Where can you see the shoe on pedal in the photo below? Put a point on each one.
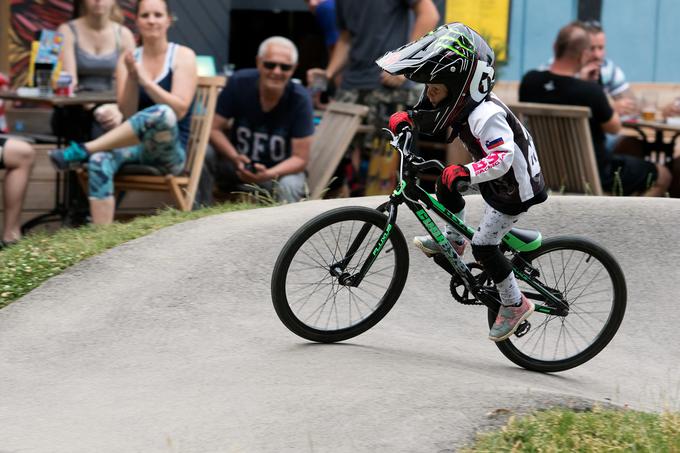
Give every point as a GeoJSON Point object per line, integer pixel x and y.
{"type": "Point", "coordinates": [72, 155]}
{"type": "Point", "coordinates": [509, 319]}
{"type": "Point", "coordinates": [430, 248]}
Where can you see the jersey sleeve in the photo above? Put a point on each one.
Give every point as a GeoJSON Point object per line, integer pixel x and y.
{"type": "Point", "coordinates": [497, 140]}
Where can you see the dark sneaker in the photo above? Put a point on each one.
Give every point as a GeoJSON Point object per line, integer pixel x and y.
{"type": "Point", "coordinates": [509, 318]}
{"type": "Point", "coordinates": [431, 248]}
{"type": "Point", "coordinates": [68, 157]}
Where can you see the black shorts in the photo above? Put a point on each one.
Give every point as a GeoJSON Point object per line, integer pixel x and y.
{"type": "Point", "coordinates": [2, 152]}
{"type": "Point", "coordinates": [627, 175]}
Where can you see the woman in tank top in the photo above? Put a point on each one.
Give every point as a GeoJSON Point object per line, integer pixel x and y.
{"type": "Point", "coordinates": [155, 89]}
{"type": "Point", "coordinates": [93, 43]}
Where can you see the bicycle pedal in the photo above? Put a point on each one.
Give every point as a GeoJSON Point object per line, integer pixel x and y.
{"type": "Point", "coordinates": [523, 329]}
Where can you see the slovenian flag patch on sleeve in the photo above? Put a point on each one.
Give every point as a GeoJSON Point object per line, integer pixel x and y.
{"type": "Point", "coordinates": [491, 144]}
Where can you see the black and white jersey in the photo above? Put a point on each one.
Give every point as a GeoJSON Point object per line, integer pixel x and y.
{"type": "Point", "coordinates": [506, 166]}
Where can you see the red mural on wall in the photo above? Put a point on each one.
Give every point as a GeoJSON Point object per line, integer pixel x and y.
{"type": "Point", "coordinates": [28, 17]}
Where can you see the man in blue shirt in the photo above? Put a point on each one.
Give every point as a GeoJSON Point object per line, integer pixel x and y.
{"type": "Point", "coordinates": [263, 125]}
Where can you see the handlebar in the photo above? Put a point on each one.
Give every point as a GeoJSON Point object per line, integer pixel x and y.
{"type": "Point", "coordinates": [403, 142]}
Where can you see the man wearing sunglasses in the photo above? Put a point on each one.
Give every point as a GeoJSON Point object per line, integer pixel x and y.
{"type": "Point", "coordinates": [263, 126]}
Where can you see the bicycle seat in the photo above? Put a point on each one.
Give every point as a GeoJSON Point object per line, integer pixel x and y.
{"type": "Point", "coordinates": [528, 239]}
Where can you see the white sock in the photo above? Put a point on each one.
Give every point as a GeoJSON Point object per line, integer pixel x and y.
{"type": "Point", "coordinates": [509, 291]}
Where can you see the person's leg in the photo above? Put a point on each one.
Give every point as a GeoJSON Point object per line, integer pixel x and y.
{"type": "Point", "coordinates": [290, 188]}
{"type": "Point", "coordinates": [660, 186]}
{"type": "Point", "coordinates": [17, 157]}
{"type": "Point", "coordinates": [156, 128]}
{"type": "Point", "coordinates": [632, 175]}
{"type": "Point", "coordinates": [102, 168]}
{"type": "Point", "coordinates": [515, 308]}
{"type": "Point", "coordinates": [454, 202]}
{"type": "Point", "coordinates": [144, 126]}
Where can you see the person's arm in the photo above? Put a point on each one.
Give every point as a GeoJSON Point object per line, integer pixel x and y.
{"type": "Point", "coordinates": [613, 126]}
{"type": "Point", "coordinates": [220, 141]}
{"type": "Point", "coordinates": [127, 88]}
{"type": "Point", "coordinates": [498, 143]}
{"type": "Point", "coordinates": [69, 54]}
{"type": "Point", "coordinates": [296, 163]}
{"type": "Point", "coordinates": [340, 54]}
{"type": "Point", "coordinates": [184, 80]}
{"type": "Point", "coordinates": [127, 39]}
{"type": "Point", "coordinates": [426, 18]}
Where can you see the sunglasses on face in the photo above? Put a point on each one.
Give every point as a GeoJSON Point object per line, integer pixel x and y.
{"type": "Point", "coordinates": [272, 64]}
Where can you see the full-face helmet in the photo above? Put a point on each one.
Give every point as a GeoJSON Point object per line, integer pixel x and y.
{"type": "Point", "coordinates": [453, 55]}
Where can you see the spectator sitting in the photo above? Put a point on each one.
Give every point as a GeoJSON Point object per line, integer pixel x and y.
{"type": "Point", "coordinates": [16, 157]}
{"type": "Point", "coordinates": [93, 43]}
{"type": "Point", "coordinates": [156, 87]}
{"type": "Point", "coordinates": [558, 85]}
{"type": "Point", "coordinates": [269, 140]}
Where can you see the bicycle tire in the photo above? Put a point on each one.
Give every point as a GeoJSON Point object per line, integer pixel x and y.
{"type": "Point", "coordinates": [283, 278]}
{"type": "Point", "coordinates": [569, 250]}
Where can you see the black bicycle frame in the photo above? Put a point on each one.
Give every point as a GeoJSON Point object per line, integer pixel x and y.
{"type": "Point", "coordinates": [410, 193]}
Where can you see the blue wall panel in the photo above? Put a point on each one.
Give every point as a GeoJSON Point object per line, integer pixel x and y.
{"type": "Point", "coordinates": [631, 31]}
{"type": "Point", "coordinates": [533, 27]}
{"type": "Point", "coordinates": [667, 65]}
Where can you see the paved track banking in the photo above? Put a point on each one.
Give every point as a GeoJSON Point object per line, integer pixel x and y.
{"type": "Point", "coordinates": [170, 344]}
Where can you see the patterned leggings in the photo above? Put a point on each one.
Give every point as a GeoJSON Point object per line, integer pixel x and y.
{"type": "Point", "coordinates": [156, 128]}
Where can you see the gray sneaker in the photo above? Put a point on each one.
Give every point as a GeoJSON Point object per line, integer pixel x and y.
{"type": "Point", "coordinates": [430, 248]}
{"type": "Point", "coordinates": [509, 318]}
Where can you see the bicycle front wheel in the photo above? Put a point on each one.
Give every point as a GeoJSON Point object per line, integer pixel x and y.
{"type": "Point", "coordinates": [313, 299]}
{"type": "Point", "coordinates": [594, 287]}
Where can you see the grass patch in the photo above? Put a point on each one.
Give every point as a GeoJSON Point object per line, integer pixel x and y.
{"type": "Point", "coordinates": [27, 264]}
{"type": "Point", "coordinates": [599, 430]}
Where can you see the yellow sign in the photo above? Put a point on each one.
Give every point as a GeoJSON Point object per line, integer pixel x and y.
{"type": "Point", "coordinates": [489, 18]}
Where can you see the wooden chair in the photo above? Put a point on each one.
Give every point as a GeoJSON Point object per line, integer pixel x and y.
{"type": "Point", "coordinates": [333, 135]}
{"type": "Point", "coordinates": [182, 187]}
{"type": "Point", "coordinates": [562, 137]}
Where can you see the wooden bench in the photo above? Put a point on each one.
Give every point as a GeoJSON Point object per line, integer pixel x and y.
{"type": "Point", "coordinates": [564, 145]}
{"type": "Point", "coordinates": [182, 187]}
{"type": "Point", "coordinates": [339, 124]}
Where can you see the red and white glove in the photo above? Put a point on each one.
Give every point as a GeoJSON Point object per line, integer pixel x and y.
{"type": "Point", "coordinates": [400, 120]}
{"type": "Point", "coordinates": [452, 173]}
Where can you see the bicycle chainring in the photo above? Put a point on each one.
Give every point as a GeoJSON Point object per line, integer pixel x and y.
{"type": "Point", "coordinates": [458, 290]}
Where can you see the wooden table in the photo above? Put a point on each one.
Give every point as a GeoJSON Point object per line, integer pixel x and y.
{"type": "Point", "coordinates": [70, 205]}
{"type": "Point", "coordinates": [657, 150]}
{"type": "Point", "coordinates": [80, 98]}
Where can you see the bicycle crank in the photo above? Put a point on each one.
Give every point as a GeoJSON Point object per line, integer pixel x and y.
{"type": "Point", "coordinates": [460, 292]}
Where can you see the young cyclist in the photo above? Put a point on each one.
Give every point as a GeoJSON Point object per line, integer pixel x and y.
{"type": "Point", "coordinates": [457, 66]}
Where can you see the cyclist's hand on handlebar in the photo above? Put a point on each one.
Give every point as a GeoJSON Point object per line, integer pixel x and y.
{"type": "Point", "coordinates": [399, 121]}
{"type": "Point", "coordinates": [454, 173]}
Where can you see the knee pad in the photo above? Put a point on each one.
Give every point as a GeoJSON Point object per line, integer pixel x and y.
{"type": "Point", "coordinates": [493, 261]}
{"type": "Point", "coordinates": [451, 199]}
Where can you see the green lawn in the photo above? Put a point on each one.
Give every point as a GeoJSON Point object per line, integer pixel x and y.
{"type": "Point", "coordinates": [564, 430]}
{"type": "Point", "coordinates": [36, 258]}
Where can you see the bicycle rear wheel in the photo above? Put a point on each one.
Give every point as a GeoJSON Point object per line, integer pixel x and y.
{"type": "Point", "coordinates": [592, 283]}
{"type": "Point", "coordinates": [316, 303]}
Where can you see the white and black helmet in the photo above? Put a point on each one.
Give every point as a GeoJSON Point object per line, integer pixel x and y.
{"type": "Point", "coordinates": [454, 55]}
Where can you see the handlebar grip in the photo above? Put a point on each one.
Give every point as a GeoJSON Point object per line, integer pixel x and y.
{"type": "Point", "coordinates": [462, 186]}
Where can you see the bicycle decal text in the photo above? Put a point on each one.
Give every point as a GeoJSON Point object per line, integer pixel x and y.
{"type": "Point", "coordinates": [381, 243]}
{"type": "Point", "coordinates": [430, 225]}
